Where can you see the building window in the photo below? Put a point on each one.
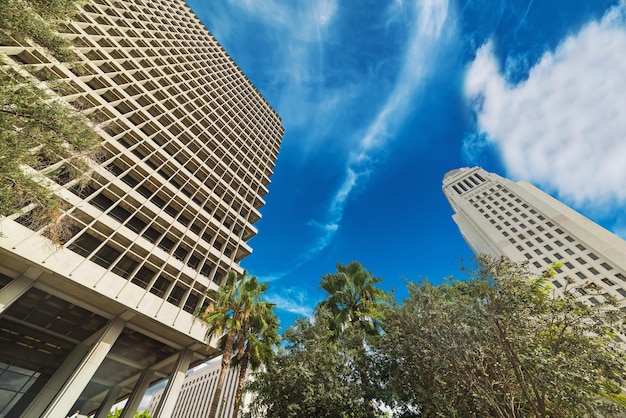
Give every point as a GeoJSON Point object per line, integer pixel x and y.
{"type": "Point", "coordinates": [620, 276]}
{"type": "Point", "coordinates": [569, 251]}
{"type": "Point", "coordinates": [569, 239]}
{"type": "Point", "coordinates": [580, 247]}
{"type": "Point", "coordinates": [569, 265]}
{"type": "Point", "coordinates": [581, 261]}
{"type": "Point", "coordinates": [581, 275]}
{"type": "Point", "coordinates": [608, 282]}
{"type": "Point", "coordinates": [143, 277]}
{"type": "Point", "coordinates": [593, 256]}
{"type": "Point", "coordinates": [606, 266]}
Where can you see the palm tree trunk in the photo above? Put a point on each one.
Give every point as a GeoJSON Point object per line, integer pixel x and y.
{"type": "Point", "coordinates": [243, 367]}
{"type": "Point", "coordinates": [226, 355]}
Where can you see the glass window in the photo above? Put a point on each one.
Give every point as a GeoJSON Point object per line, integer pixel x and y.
{"type": "Point", "coordinates": [608, 282]}
{"type": "Point", "coordinates": [606, 266]}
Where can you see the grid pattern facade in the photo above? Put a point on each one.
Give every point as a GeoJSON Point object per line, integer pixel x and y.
{"type": "Point", "coordinates": [189, 146]}
{"type": "Point", "coordinates": [197, 393]}
{"type": "Point", "coordinates": [500, 217]}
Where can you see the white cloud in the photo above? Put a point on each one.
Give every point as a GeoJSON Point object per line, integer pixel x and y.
{"type": "Point", "coordinates": [425, 37]}
{"type": "Point", "coordinates": [293, 300]}
{"type": "Point", "coordinates": [565, 126]}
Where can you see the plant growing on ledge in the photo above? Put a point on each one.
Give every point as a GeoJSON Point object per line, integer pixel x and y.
{"type": "Point", "coordinates": [36, 130]}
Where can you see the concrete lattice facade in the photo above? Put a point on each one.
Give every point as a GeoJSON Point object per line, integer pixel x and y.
{"type": "Point", "coordinates": [197, 393]}
{"type": "Point", "coordinates": [189, 146]}
{"type": "Point", "coordinates": [500, 217]}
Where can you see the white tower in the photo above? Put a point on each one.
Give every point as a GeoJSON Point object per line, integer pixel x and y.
{"type": "Point", "coordinates": [500, 217]}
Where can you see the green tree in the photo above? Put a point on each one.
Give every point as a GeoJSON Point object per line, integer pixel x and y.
{"type": "Point", "coordinates": [117, 413]}
{"type": "Point", "coordinates": [310, 377]}
{"type": "Point", "coordinates": [260, 339]}
{"type": "Point", "coordinates": [356, 305]}
{"type": "Point", "coordinates": [36, 130]}
{"type": "Point", "coordinates": [37, 20]}
{"type": "Point", "coordinates": [502, 345]}
{"type": "Point", "coordinates": [228, 317]}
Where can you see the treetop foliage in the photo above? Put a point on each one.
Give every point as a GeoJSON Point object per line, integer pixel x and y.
{"type": "Point", "coordinates": [21, 20]}
{"type": "Point", "coordinates": [500, 344]}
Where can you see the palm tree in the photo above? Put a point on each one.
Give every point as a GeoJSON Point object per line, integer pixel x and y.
{"type": "Point", "coordinates": [355, 302]}
{"type": "Point", "coordinates": [261, 339]}
{"type": "Point", "coordinates": [226, 316]}
{"type": "Point", "coordinates": [353, 297]}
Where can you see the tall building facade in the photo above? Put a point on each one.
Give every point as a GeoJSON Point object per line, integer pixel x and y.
{"type": "Point", "coordinates": [500, 217]}
{"type": "Point", "coordinates": [198, 390]}
{"type": "Point", "coordinates": [189, 146]}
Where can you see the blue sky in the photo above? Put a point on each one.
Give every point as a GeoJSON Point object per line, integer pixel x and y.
{"type": "Point", "coordinates": [380, 99]}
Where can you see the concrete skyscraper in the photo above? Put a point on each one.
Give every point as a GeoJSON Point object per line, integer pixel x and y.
{"type": "Point", "coordinates": [189, 145]}
{"type": "Point", "coordinates": [500, 217]}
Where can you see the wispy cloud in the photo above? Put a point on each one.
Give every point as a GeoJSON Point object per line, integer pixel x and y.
{"type": "Point", "coordinates": [426, 34]}
{"type": "Point", "coordinates": [293, 300]}
{"type": "Point", "coordinates": [563, 127]}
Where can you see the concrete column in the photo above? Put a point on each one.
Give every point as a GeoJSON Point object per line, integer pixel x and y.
{"type": "Point", "coordinates": [137, 395]}
{"type": "Point", "coordinates": [17, 287]}
{"type": "Point", "coordinates": [56, 382]}
{"type": "Point", "coordinates": [175, 384]}
{"type": "Point", "coordinates": [108, 402]}
{"type": "Point", "coordinates": [71, 390]}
